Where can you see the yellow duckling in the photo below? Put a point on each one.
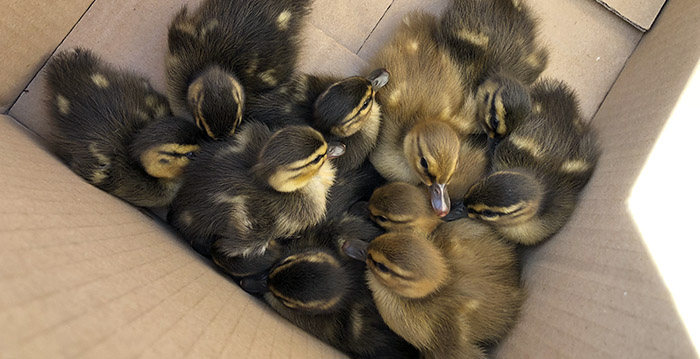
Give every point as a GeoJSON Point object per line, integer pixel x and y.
{"type": "Point", "coordinates": [428, 122]}
{"type": "Point", "coordinates": [446, 292]}
{"type": "Point", "coordinates": [115, 131]}
{"type": "Point", "coordinates": [539, 170]}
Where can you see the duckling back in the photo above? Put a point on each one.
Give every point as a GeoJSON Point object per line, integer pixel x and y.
{"type": "Point", "coordinates": [255, 42]}
{"type": "Point", "coordinates": [486, 37]}
{"type": "Point", "coordinates": [425, 82]}
{"type": "Point", "coordinates": [97, 112]}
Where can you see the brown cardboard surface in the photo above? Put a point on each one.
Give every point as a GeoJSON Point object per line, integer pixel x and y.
{"type": "Point", "coordinates": [588, 44]}
{"type": "Point", "coordinates": [595, 289]}
{"type": "Point", "coordinates": [131, 34]}
{"type": "Point", "coordinates": [641, 14]}
{"type": "Point", "coordinates": [85, 275]}
{"type": "Point", "coordinates": [322, 54]}
{"type": "Point", "coordinates": [29, 31]}
{"type": "Point", "coordinates": [348, 22]}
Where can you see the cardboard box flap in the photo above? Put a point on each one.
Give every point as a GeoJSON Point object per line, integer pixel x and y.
{"type": "Point", "coordinates": [640, 13]}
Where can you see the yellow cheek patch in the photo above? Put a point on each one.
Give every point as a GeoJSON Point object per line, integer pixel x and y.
{"type": "Point", "coordinates": [100, 80]}
{"type": "Point", "coordinates": [283, 20]}
{"type": "Point", "coordinates": [297, 174]}
{"type": "Point", "coordinates": [167, 161]}
{"type": "Point", "coordinates": [477, 38]}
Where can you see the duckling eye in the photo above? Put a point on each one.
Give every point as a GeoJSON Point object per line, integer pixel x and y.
{"type": "Point", "coordinates": [103, 165]}
{"type": "Point", "coordinates": [424, 162]}
{"type": "Point", "coordinates": [317, 159]}
{"type": "Point", "coordinates": [494, 123]}
{"type": "Point", "coordinates": [488, 213]}
{"type": "Point", "coordinates": [381, 219]}
{"type": "Point", "coordinates": [381, 267]}
{"type": "Point", "coordinates": [189, 155]}
{"type": "Point", "coordinates": [365, 104]}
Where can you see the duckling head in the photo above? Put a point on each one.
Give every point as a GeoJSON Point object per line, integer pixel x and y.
{"type": "Point", "coordinates": [432, 149]}
{"type": "Point", "coordinates": [166, 146]}
{"type": "Point", "coordinates": [347, 105]}
{"type": "Point", "coordinates": [313, 281]}
{"type": "Point", "coordinates": [508, 197]}
{"type": "Point", "coordinates": [502, 104]}
{"type": "Point", "coordinates": [401, 206]}
{"type": "Point", "coordinates": [407, 264]}
{"type": "Point", "coordinates": [216, 100]}
{"type": "Point", "coordinates": [295, 155]}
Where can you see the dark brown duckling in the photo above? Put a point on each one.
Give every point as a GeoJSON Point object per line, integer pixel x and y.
{"type": "Point", "coordinates": [228, 52]}
{"type": "Point", "coordinates": [495, 43]}
{"type": "Point", "coordinates": [260, 186]}
{"type": "Point", "coordinates": [343, 110]}
{"type": "Point", "coordinates": [115, 131]}
{"type": "Point", "coordinates": [538, 171]}
{"type": "Point", "coordinates": [319, 289]}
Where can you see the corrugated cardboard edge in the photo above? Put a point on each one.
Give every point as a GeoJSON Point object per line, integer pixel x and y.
{"type": "Point", "coordinates": [639, 26]}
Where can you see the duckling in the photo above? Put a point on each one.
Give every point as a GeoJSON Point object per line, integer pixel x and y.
{"type": "Point", "coordinates": [399, 206]}
{"type": "Point", "coordinates": [447, 292]}
{"type": "Point", "coordinates": [343, 110]}
{"type": "Point", "coordinates": [115, 131]}
{"type": "Point", "coordinates": [260, 186]}
{"type": "Point", "coordinates": [429, 125]}
{"type": "Point", "coordinates": [228, 52]}
{"type": "Point", "coordinates": [539, 170]}
{"type": "Point", "coordinates": [319, 289]}
{"type": "Point", "coordinates": [495, 43]}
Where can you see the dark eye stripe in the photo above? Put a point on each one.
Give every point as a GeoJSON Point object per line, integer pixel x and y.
{"type": "Point", "coordinates": [389, 271]}
{"type": "Point", "coordinates": [492, 110]}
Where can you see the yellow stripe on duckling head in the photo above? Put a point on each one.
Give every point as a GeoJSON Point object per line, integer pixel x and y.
{"type": "Point", "coordinates": [167, 160]}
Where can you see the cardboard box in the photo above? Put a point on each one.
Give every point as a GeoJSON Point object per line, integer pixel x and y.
{"type": "Point", "coordinates": [83, 274]}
